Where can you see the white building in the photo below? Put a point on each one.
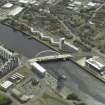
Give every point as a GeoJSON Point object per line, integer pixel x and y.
{"type": "Point", "coordinates": [77, 2]}
{"type": "Point", "coordinates": [7, 5]}
{"type": "Point", "coordinates": [15, 11]}
{"type": "Point", "coordinates": [96, 63]}
{"type": "Point", "coordinates": [27, 1]}
{"type": "Point", "coordinates": [38, 68]}
{"type": "Point", "coordinates": [6, 85]}
{"type": "Point", "coordinates": [91, 4]}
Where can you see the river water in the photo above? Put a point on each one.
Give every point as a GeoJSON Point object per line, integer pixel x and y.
{"type": "Point", "coordinates": [15, 40]}
{"type": "Point", "coordinates": [88, 87]}
{"type": "Point", "coordinates": [91, 90]}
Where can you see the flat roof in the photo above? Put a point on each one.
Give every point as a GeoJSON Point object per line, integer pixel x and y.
{"type": "Point", "coordinates": [72, 46]}
{"type": "Point", "coordinates": [27, 1]}
{"type": "Point", "coordinates": [77, 2]}
{"type": "Point", "coordinates": [7, 5]}
{"type": "Point", "coordinates": [96, 62]}
{"type": "Point", "coordinates": [91, 4]}
{"type": "Point", "coordinates": [23, 1]}
{"type": "Point", "coordinates": [6, 84]}
{"type": "Point", "coordinates": [38, 67]}
{"type": "Point", "coordinates": [16, 11]}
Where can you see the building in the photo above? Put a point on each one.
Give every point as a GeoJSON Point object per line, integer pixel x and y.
{"type": "Point", "coordinates": [15, 11]}
{"type": "Point", "coordinates": [9, 9]}
{"type": "Point", "coordinates": [11, 61]}
{"type": "Point", "coordinates": [27, 1]}
{"type": "Point", "coordinates": [20, 96]}
{"type": "Point", "coordinates": [38, 68]}
{"type": "Point", "coordinates": [92, 4]}
{"type": "Point", "coordinates": [61, 42]}
{"type": "Point", "coordinates": [7, 5]}
{"type": "Point", "coordinates": [97, 64]}
{"type": "Point", "coordinates": [68, 47]}
{"type": "Point", "coordinates": [6, 85]}
{"type": "Point", "coordinates": [16, 78]}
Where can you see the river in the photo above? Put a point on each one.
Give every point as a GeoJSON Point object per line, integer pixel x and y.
{"type": "Point", "coordinates": [89, 88]}
{"type": "Point", "coordinates": [15, 40]}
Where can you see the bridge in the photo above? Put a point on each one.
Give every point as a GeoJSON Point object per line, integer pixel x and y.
{"type": "Point", "coordinates": [51, 58]}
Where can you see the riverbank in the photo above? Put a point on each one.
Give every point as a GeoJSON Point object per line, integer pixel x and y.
{"type": "Point", "coordinates": [20, 43]}
{"type": "Point", "coordinates": [35, 37]}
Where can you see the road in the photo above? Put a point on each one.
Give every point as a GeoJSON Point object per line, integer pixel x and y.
{"type": "Point", "coordinates": [90, 89]}
{"type": "Point", "coordinates": [95, 12]}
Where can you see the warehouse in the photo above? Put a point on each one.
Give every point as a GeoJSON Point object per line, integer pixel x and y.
{"type": "Point", "coordinates": [38, 68]}
{"type": "Point", "coordinates": [15, 11]}
{"type": "Point", "coordinates": [7, 5]}
{"type": "Point", "coordinates": [96, 63]}
{"type": "Point", "coordinates": [6, 85]}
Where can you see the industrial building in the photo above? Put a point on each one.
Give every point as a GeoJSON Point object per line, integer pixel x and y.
{"type": "Point", "coordinates": [6, 85]}
{"type": "Point", "coordinates": [7, 5]}
{"type": "Point", "coordinates": [16, 78]}
{"type": "Point", "coordinates": [38, 68]}
{"type": "Point", "coordinates": [97, 64]}
{"type": "Point", "coordinates": [11, 61]}
{"type": "Point", "coordinates": [27, 1]}
{"type": "Point", "coordinates": [9, 9]}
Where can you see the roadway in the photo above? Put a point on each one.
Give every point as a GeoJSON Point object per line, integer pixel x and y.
{"type": "Point", "coordinates": [90, 89]}
{"type": "Point", "coordinates": [50, 58]}
{"type": "Point", "coordinates": [97, 9]}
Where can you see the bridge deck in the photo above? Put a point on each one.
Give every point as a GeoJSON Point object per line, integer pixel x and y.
{"type": "Point", "coordinates": [49, 58]}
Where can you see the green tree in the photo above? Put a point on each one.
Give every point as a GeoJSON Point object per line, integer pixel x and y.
{"type": "Point", "coordinates": [4, 100]}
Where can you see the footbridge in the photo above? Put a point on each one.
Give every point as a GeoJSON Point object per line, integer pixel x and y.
{"type": "Point", "coordinates": [50, 58]}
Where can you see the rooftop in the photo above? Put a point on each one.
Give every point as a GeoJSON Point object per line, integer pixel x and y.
{"type": "Point", "coordinates": [7, 5]}
{"type": "Point", "coordinates": [6, 84]}
{"type": "Point", "coordinates": [38, 67]}
{"type": "Point", "coordinates": [16, 11]}
{"type": "Point", "coordinates": [92, 4]}
{"type": "Point", "coordinates": [97, 62]}
{"type": "Point", "coordinates": [27, 1]}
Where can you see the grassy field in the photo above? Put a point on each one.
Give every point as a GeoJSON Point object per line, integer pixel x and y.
{"type": "Point", "coordinates": [4, 100]}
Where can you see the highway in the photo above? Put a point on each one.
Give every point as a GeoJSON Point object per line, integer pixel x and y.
{"type": "Point", "coordinates": [88, 87]}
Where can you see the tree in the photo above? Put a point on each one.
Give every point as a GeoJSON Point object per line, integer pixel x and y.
{"type": "Point", "coordinates": [4, 100]}
{"type": "Point", "coordinates": [78, 20]}
{"type": "Point", "coordinates": [81, 104]}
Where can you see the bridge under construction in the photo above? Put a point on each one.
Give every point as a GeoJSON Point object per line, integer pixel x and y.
{"type": "Point", "coordinates": [50, 58]}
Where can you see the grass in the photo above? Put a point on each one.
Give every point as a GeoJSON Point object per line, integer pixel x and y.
{"type": "Point", "coordinates": [24, 71]}
{"type": "Point", "coordinates": [4, 100]}
{"type": "Point", "coordinates": [47, 98]}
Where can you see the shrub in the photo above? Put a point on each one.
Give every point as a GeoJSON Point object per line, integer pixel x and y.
{"type": "Point", "coordinates": [4, 100]}
{"type": "Point", "coordinates": [73, 97]}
